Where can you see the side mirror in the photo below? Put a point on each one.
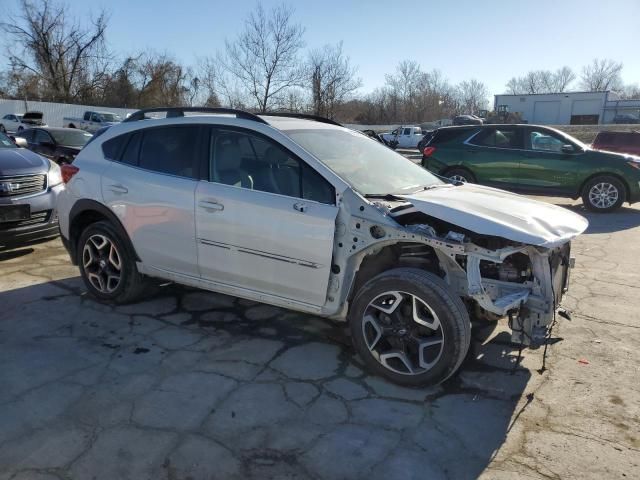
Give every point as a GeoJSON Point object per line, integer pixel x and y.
{"type": "Point", "coordinates": [568, 149]}
{"type": "Point", "coordinates": [20, 142]}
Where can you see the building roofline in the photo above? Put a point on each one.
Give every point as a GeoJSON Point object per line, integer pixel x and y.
{"type": "Point", "coordinates": [554, 93]}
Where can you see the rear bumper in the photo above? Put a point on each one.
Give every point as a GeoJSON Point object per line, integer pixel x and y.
{"type": "Point", "coordinates": [42, 224]}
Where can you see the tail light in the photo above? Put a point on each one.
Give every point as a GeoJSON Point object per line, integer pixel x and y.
{"type": "Point", "coordinates": [428, 151]}
{"type": "Point", "coordinates": [68, 171]}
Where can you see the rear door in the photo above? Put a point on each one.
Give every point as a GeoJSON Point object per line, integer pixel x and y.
{"type": "Point", "coordinates": [494, 154]}
{"type": "Point", "coordinates": [265, 220]}
{"type": "Point", "coordinates": [545, 168]}
{"type": "Point", "coordinates": [150, 185]}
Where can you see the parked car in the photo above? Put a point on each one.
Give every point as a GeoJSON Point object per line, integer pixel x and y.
{"type": "Point", "coordinates": [16, 123]}
{"type": "Point", "coordinates": [626, 118]}
{"type": "Point", "coordinates": [315, 217]}
{"type": "Point", "coordinates": [536, 160]}
{"type": "Point", "coordinates": [425, 139]}
{"type": "Point", "coordinates": [467, 120]}
{"type": "Point", "coordinates": [406, 136]}
{"type": "Point", "coordinates": [58, 144]}
{"type": "Point", "coordinates": [29, 187]}
{"type": "Point", "coordinates": [92, 121]}
{"type": "Point", "coordinates": [621, 142]}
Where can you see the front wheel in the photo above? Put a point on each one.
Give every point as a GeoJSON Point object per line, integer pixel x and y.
{"type": "Point", "coordinates": [603, 194]}
{"type": "Point", "coordinates": [408, 327]}
{"type": "Point", "coordinates": [108, 266]}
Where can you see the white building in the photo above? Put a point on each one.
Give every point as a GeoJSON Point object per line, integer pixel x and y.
{"type": "Point", "coordinates": [570, 108]}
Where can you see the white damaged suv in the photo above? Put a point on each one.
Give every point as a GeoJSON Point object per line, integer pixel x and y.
{"type": "Point", "coordinates": [305, 214]}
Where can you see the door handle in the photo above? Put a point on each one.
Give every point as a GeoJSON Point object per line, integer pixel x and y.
{"type": "Point", "coordinates": [211, 206]}
{"type": "Point", "coordinates": [118, 189]}
{"type": "Point", "coordinates": [300, 207]}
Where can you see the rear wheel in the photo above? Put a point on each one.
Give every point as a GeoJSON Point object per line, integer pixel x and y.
{"type": "Point", "coordinates": [409, 328]}
{"type": "Point", "coordinates": [108, 266]}
{"type": "Point", "coordinates": [460, 175]}
{"type": "Point", "coordinates": [603, 194]}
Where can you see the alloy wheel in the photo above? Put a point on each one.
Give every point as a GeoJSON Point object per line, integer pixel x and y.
{"type": "Point", "coordinates": [603, 195]}
{"type": "Point", "coordinates": [102, 263]}
{"type": "Point", "coordinates": [458, 178]}
{"type": "Point", "coordinates": [403, 333]}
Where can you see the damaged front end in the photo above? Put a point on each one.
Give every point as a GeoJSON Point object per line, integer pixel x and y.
{"type": "Point", "coordinates": [498, 277]}
{"type": "Point", "coordinates": [501, 261]}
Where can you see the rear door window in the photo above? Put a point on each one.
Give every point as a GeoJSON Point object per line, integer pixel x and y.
{"type": "Point", "coordinates": [170, 150]}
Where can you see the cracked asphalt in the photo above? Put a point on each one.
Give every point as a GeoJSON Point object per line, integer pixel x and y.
{"type": "Point", "coordinates": [196, 385]}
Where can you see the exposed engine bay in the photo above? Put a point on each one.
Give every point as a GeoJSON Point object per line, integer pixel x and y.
{"type": "Point", "coordinates": [495, 276]}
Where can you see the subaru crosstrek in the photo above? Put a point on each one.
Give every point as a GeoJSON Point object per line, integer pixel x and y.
{"type": "Point", "coordinates": [308, 215]}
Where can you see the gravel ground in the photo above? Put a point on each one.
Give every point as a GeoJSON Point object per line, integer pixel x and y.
{"type": "Point", "coordinates": [196, 385]}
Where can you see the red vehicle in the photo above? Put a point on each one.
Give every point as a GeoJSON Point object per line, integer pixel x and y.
{"type": "Point", "coordinates": [622, 142]}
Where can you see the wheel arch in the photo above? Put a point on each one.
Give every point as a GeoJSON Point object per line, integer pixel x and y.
{"type": "Point", "coordinates": [459, 166]}
{"type": "Point", "coordinates": [85, 212]}
{"type": "Point", "coordinates": [380, 258]}
{"type": "Point", "coordinates": [604, 174]}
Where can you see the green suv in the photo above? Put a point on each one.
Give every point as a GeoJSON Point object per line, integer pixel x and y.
{"type": "Point", "coordinates": [535, 160]}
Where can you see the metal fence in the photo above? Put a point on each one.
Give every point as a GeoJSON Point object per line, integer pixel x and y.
{"type": "Point", "coordinates": [54, 112]}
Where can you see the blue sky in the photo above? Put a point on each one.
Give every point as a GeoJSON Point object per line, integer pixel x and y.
{"type": "Point", "coordinates": [488, 40]}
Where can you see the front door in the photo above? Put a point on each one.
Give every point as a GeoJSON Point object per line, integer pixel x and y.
{"type": "Point", "coordinates": [151, 188]}
{"type": "Point", "coordinates": [494, 154]}
{"type": "Point", "coordinates": [545, 168]}
{"type": "Point", "coordinates": [265, 221]}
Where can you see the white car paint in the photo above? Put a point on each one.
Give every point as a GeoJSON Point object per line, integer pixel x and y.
{"type": "Point", "coordinates": [490, 211]}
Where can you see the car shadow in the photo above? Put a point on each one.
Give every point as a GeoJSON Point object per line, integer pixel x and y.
{"type": "Point", "coordinates": [625, 218]}
{"type": "Point", "coordinates": [53, 329]}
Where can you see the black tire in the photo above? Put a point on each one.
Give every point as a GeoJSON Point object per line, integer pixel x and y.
{"type": "Point", "coordinates": [601, 183]}
{"type": "Point", "coordinates": [21, 128]}
{"type": "Point", "coordinates": [458, 173]}
{"type": "Point", "coordinates": [2, 129]}
{"type": "Point", "coordinates": [132, 284]}
{"type": "Point", "coordinates": [449, 308]}
{"type": "Point", "coordinates": [72, 125]}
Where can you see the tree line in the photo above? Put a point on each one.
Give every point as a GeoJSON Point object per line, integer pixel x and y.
{"type": "Point", "coordinates": [266, 67]}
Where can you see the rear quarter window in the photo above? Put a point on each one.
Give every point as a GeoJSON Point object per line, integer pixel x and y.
{"type": "Point", "coordinates": [112, 147]}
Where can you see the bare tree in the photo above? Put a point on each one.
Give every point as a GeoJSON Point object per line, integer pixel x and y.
{"type": "Point", "coordinates": [472, 96]}
{"type": "Point", "coordinates": [563, 78]}
{"type": "Point", "coordinates": [264, 57]}
{"type": "Point", "coordinates": [602, 75]}
{"type": "Point", "coordinates": [69, 60]}
{"type": "Point", "coordinates": [630, 92]}
{"type": "Point", "coordinates": [331, 78]}
{"type": "Point", "coordinates": [160, 81]}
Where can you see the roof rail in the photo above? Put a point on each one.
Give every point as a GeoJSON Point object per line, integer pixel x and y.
{"type": "Point", "coordinates": [173, 112]}
{"type": "Point", "coordinates": [303, 116]}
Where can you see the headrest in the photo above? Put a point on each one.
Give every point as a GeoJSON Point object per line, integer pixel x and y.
{"type": "Point", "coordinates": [228, 156]}
{"type": "Point", "coordinates": [276, 156]}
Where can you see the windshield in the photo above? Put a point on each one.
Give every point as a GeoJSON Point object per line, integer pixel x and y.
{"type": "Point", "coordinates": [110, 117]}
{"type": "Point", "coordinates": [367, 165]}
{"type": "Point", "coordinates": [73, 138]}
{"type": "Point", "coordinates": [5, 142]}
